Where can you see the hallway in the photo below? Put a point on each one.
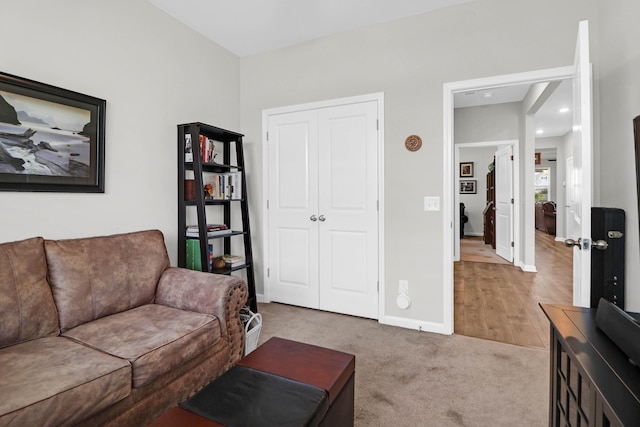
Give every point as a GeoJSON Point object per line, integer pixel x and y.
{"type": "Point", "coordinates": [497, 301]}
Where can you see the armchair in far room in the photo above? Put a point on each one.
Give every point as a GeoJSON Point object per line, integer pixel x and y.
{"type": "Point", "coordinates": [549, 210]}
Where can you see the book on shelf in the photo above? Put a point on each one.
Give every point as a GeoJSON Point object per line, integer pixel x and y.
{"type": "Point", "coordinates": [207, 149]}
{"type": "Point", "coordinates": [212, 230]}
{"type": "Point", "coordinates": [194, 262]}
{"type": "Point", "coordinates": [188, 148]}
{"type": "Point", "coordinates": [233, 260]}
{"type": "Point", "coordinates": [226, 186]}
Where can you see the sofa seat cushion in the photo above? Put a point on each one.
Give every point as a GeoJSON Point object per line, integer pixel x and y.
{"type": "Point", "coordinates": [55, 381]}
{"type": "Point", "coordinates": [153, 338]}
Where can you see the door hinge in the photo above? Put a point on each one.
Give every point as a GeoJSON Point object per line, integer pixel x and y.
{"type": "Point", "coordinates": [267, 204]}
{"type": "Point", "coordinates": [267, 136]}
{"type": "Point", "coordinates": [512, 244]}
{"type": "Point", "coordinates": [268, 272]}
{"type": "Point", "coordinates": [511, 201]}
{"type": "Point", "coordinates": [377, 124]}
{"type": "Point", "coordinates": [512, 157]}
{"type": "Point", "coordinates": [378, 286]}
{"type": "Point", "coordinates": [378, 205]}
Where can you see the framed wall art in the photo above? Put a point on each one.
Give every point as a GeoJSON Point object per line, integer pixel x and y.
{"type": "Point", "coordinates": [51, 139]}
{"type": "Point", "coordinates": [466, 169]}
{"type": "Point", "coordinates": [468, 186]}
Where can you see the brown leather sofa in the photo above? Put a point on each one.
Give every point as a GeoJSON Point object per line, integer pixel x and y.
{"type": "Point", "coordinates": [102, 331]}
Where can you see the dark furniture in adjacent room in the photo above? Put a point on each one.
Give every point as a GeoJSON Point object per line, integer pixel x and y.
{"type": "Point", "coordinates": [489, 212]}
{"type": "Point", "coordinates": [592, 381]}
{"type": "Point", "coordinates": [463, 219]}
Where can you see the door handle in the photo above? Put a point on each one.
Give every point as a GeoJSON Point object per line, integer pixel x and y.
{"type": "Point", "coordinates": [313, 218]}
{"type": "Point", "coordinates": [322, 218]}
{"type": "Point", "coordinates": [580, 243]}
{"type": "Point", "coordinates": [571, 242]}
{"type": "Point", "coordinates": [600, 244]}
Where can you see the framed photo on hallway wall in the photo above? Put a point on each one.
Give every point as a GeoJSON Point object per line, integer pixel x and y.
{"type": "Point", "coordinates": [468, 186]}
{"type": "Point", "coordinates": [51, 139]}
{"type": "Point", "coordinates": [466, 169]}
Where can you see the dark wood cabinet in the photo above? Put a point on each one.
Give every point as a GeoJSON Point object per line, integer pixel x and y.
{"type": "Point", "coordinates": [195, 170]}
{"type": "Point", "coordinates": [489, 212]}
{"type": "Point", "coordinates": [592, 382]}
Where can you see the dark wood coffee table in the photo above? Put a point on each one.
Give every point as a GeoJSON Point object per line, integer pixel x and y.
{"type": "Point", "coordinates": [330, 370]}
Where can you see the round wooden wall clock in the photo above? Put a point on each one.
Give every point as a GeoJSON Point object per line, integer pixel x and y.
{"type": "Point", "coordinates": [413, 143]}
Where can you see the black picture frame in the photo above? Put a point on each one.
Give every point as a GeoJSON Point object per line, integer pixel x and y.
{"type": "Point", "coordinates": [468, 186]}
{"type": "Point", "coordinates": [466, 169]}
{"type": "Point", "coordinates": [51, 139]}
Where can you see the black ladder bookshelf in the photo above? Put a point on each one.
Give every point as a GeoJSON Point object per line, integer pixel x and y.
{"type": "Point", "coordinates": [203, 170]}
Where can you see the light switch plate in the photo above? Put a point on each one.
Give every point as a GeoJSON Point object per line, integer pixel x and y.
{"type": "Point", "coordinates": [432, 203]}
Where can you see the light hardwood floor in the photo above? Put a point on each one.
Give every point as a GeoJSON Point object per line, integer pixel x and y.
{"type": "Point", "coordinates": [499, 301]}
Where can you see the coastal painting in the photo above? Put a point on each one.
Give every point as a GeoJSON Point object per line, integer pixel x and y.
{"type": "Point", "coordinates": [51, 139]}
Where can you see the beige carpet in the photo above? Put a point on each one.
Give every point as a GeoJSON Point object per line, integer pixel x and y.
{"type": "Point", "coordinates": [410, 378]}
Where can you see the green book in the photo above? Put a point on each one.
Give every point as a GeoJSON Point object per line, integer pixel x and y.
{"type": "Point", "coordinates": [193, 255]}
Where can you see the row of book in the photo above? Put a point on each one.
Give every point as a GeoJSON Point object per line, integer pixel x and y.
{"type": "Point", "coordinates": [194, 261]}
{"type": "Point", "coordinates": [206, 147]}
{"type": "Point", "coordinates": [213, 230]}
{"type": "Point", "coordinates": [225, 186]}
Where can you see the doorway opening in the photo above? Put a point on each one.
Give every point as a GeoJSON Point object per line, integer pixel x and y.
{"type": "Point", "coordinates": [524, 236]}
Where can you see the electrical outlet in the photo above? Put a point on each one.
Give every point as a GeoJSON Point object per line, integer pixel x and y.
{"type": "Point", "coordinates": [403, 287]}
{"type": "Point", "coordinates": [432, 203]}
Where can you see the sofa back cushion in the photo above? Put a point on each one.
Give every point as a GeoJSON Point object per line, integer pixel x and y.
{"type": "Point", "coordinates": [98, 276]}
{"type": "Point", "coordinates": [26, 304]}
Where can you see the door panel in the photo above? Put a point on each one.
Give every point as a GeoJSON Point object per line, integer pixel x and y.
{"type": "Point", "coordinates": [348, 192]}
{"type": "Point", "coordinates": [504, 206]}
{"type": "Point", "coordinates": [293, 182]}
{"type": "Point", "coordinates": [580, 221]}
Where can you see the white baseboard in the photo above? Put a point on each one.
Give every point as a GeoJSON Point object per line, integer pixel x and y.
{"type": "Point", "coordinates": [526, 267]}
{"type": "Point", "coordinates": [420, 325]}
{"type": "Point", "coordinates": [261, 298]}
{"type": "Point", "coordinates": [473, 234]}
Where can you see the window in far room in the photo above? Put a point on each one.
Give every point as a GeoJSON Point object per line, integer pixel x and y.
{"type": "Point", "coordinates": [541, 182]}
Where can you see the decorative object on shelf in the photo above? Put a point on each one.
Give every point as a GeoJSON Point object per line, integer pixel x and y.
{"type": "Point", "coordinates": [468, 186]}
{"type": "Point", "coordinates": [466, 169]}
{"type": "Point", "coordinates": [55, 142]}
{"type": "Point", "coordinates": [413, 143]}
{"type": "Point", "coordinates": [189, 189]}
{"type": "Point", "coordinates": [208, 191]}
{"type": "Point", "coordinates": [219, 262]}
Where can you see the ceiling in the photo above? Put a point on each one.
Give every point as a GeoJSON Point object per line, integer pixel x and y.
{"type": "Point", "coordinates": [249, 27]}
{"type": "Point", "coordinates": [549, 120]}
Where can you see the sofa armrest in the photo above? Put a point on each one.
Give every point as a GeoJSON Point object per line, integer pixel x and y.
{"type": "Point", "coordinates": [216, 294]}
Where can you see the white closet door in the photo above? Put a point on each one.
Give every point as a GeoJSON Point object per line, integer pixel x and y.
{"type": "Point", "coordinates": [348, 214]}
{"type": "Point", "coordinates": [293, 201]}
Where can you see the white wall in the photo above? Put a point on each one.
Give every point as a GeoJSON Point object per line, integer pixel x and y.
{"type": "Point", "coordinates": [410, 60]}
{"type": "Point", "coordinates": [154, 74]}
{"type": "Point", "coordinates": [619, 84]}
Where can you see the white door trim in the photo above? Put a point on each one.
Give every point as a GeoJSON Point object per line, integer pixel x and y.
{"type": "Point", "coordinates": [448, 192]}
{"type": "Point", "coordinates": [379, 98]}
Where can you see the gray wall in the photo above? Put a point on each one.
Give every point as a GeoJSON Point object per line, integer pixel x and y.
{"type": "Point", "coordinates": [410, 60]}
{"type": "Point", "coordinates": [619, 90]}
{"type": "Point", "coordinates": [154, 73]}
